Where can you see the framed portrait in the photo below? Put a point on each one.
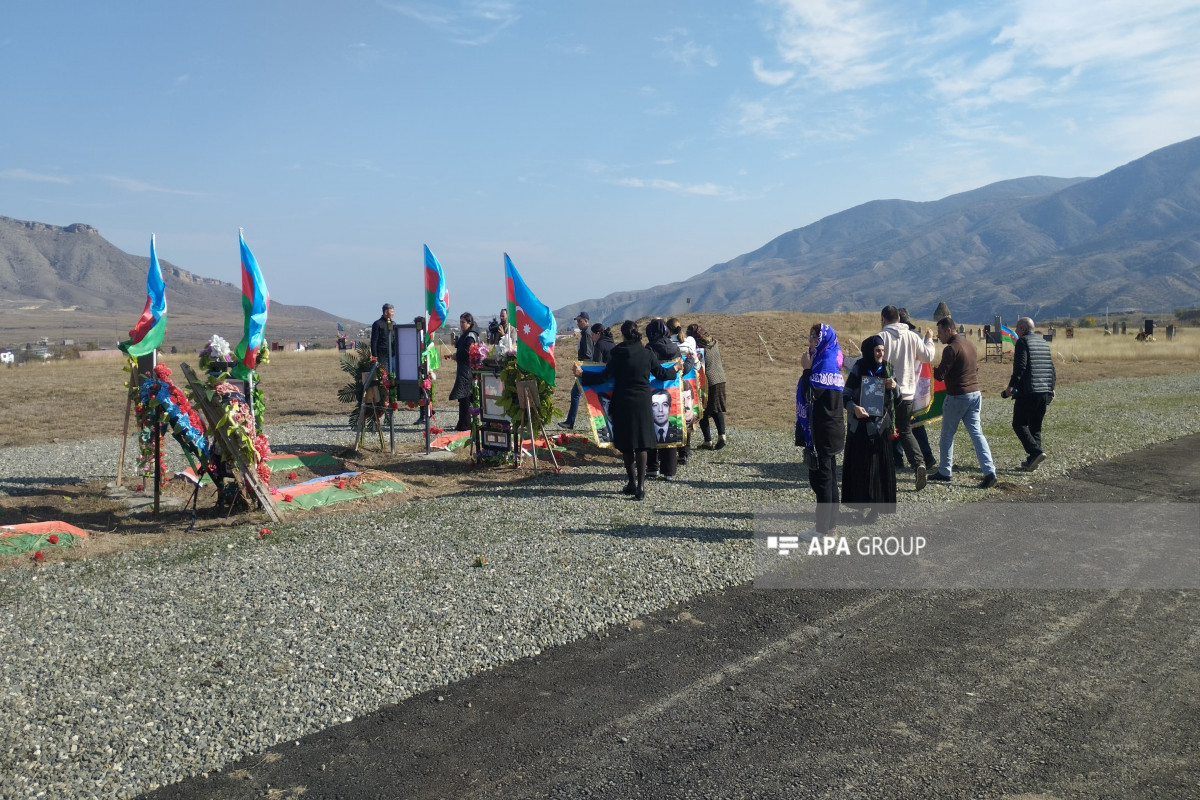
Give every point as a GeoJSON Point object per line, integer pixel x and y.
{"type": "Point", "coordinates": [491, 389]}
{"type": "Point", "coordinates": [870, 396]}
{"type": "Point", "coordinates": [666, 410]}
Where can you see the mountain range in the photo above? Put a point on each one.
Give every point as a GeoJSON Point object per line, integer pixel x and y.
{"type": "Point", "coordinates": [70, 282]}
{"type": "Point", "coordinates": [1043, 246]}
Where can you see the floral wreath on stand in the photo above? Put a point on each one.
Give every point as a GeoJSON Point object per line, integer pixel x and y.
{"type": "Point", "coordinates": [158, 392]}
{"type": "Point", "coordinates": [241, 418]}
{"type": "Point", "coordinates": [355, 364]}
{"type": "Point", "coordinates": [510, 401]}
{"type": "Point", "coordinates": [148, 417]}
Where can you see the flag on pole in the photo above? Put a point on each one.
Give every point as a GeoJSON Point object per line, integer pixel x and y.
{"type": "Point", "coordinates": [1008, 334]}
{"type": "Point", "coordinates": [534, 323]}
{"type": "Point", "coordinates": [148, 333]}
{"type": "Point", "coordinates": [255, 300]}
{"type": "Point", "coordinates": [437, 296]}
{"type": "Point", "coordinates": [928, 398]}
{"type": "Point", "coordinates": [340, 328]}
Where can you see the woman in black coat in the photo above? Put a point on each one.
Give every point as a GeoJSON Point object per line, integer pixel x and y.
{"type": "Point", "coordinates": [868, 472]}
{"type": "Point", "coordinates": [629, 368]}
{"type": "Point", "coordinates": [464, 379]}
{"type": "Point", "coordinates": [602, 343]}
{"type": "Point", "coordinates": [658, 342]}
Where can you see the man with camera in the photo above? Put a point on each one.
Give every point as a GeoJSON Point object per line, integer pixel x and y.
{"type": "Point", "coordinates": [1032, 389]}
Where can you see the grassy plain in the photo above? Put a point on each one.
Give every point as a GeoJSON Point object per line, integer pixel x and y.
{"type": "Point", "coordinates": [69, 400]}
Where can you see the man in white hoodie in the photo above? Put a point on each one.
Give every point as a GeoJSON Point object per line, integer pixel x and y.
{"type": "Point", "coordinates": [906, 350]}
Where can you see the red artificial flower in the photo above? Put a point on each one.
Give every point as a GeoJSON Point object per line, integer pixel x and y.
{"type": "Point", "coordinates": [274, 490]}
{"type": "Point", "coordinates": [287, 498]}
{"type": "Point", "coordinates": [38, 556]}
{"type": "Point", "coordinates": [341, 484]}
{"type": "Point", "coordinates": [292, 475]}
{"type": "Point", "coordinates": [139, 488]}
{"type": "Point", "coordinates": [264, 532]}
{"type": "Point", "coordinates": [161, 371]}
{"type": "Point", "coordinates": [394, 405]}
{"type": "Point", "coordinates": [411, 404]}
{"type": "Point", "coordinates": [435, 429]}
{"type": "Point", "coordinates": [52, 538]}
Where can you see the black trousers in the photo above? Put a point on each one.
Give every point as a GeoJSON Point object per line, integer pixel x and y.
{"type": "Point", "coordinates": [822, 477]}
{"type": "Point", "coordinates": [904, 427]}
{"type": "Point", "coordinates": [1028, 412]}
{"type": "Point", "coordinates": [665, 461]}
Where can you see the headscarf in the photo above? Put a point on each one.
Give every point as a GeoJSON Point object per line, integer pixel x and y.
{"type": "Point", "coordinates": [656, 329]}
{"type": "Point", "coordinates": [826, 373]}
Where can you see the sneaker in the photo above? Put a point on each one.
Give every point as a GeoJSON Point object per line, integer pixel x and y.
{"type": "Point", "coordinates": [922, 477]}
{"type": "Point", "coordinates": [567, 426]}
{"type": "Point", "coordinates": [651, 474]}
{"type": "Point", "coordinates": [988, 482]}
{"type": "Point", "coordinates": [666, 477]}
{"type": "Point", "coordinates": [1032, 462]}
{"type": "Point", "coordinates": [939, 477]}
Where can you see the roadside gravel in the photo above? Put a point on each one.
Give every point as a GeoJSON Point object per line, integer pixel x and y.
{"type": "Point", "coordinates": [124, 673]}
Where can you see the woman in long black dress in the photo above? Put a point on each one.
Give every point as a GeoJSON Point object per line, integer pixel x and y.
{"type": "Point", "coordinates": [630, 367]}
{"type": "Point", "coordinates": [464, 379]}
{"type": "Point", "coordinates": [868, 471]}
{"type": "Point", "coordinates": [820, 428]}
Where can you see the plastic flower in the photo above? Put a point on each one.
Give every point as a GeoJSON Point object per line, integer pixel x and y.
{"type": "Point", "coordinates": [341, 484]}
{"type": "Point", "coordinates": [292, 475]}
{"type": "Point", "coordinates": [264, 532]}
{"type": "Point", "coordinates": [287, 498]}
{"type": "Point", "coordinates": [52, 538]}
{"type": "Point", "coordinates": [38, 556]}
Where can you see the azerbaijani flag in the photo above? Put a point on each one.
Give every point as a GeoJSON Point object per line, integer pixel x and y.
{"type": "Point", "coordinates": [928, 398]}
{"type": "Point", "coordinates": [255, 299]}
{"type": "Point", "coordinates": [535, 325]}
{"type": "Point", "coordinates": [437, 296]}
{"type": "Point", "coordinates": [148, 333]}
{"type": "Point", "coordinates": [1008, 334]}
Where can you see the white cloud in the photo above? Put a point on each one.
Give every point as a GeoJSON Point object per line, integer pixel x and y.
{"type": "Point", "coordinates": [469, 22]}
{"type": "Point", "coordinates": [136, 186]}
{"type": "Point", "coordinates": [843, 44]}
{"type": "Point", "coordinates": [679, 46]}
{"type": "Point", "coordinates": [760, 117]}
{"type": "Point", "coordinates": [770, 77]}
{"type": "Point", "coordinates": [703, 189]}
{"type": "Point", "coordinates": [19, 174]}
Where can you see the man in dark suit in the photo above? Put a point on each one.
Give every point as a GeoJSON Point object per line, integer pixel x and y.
{"type": "Point", "coordinates": [384, 345]}
{"type": "Point", "coordinates": [660, 405]}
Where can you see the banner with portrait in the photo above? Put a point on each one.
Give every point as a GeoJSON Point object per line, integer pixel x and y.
{"type": "Point", "coordinates": [666, 409]}
{"type": "Point", "coordinates": [596, 398]}
{"type": "Point", "coordinates": [693, 407]}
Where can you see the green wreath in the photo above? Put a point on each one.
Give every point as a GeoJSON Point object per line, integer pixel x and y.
{"type": "Point", "coordinates": [510, 373]}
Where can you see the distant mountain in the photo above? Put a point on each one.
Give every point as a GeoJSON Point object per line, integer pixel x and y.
{"type": "Point", "coordinates": [1129, 239]}
{"type": "Point", "coordinates": [72, 281]}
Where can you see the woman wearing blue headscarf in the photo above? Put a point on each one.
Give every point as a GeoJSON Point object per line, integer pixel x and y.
{"type": "Point", "coordinates": [820, 423]}
{"type": "Point", "coordinates": [868, 472]}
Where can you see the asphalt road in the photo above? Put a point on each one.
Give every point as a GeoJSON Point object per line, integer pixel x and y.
{"type": "Point", "coordinates": [1023, 694]}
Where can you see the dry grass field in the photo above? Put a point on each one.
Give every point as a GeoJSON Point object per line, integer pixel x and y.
{"type": "Point", "coordinates": [67, 400]}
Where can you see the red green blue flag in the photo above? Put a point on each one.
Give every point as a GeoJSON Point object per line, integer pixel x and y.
{"type": "Point", "coordinates": [437, 296]}
{"type": "Point", "coordinates": [535, 325]}
{"type": "Point", "coordinates": [148, 333]}
{"type": "Point", "coordinates": [255, 300]}
{"type": "Point", "coordinates": [1008, 334]}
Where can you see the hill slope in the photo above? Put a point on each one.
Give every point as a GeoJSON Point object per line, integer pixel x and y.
{"type": "Point", "coordinates": [72, 281]}
{"type": "Point", "coordinates": [1129, 239]}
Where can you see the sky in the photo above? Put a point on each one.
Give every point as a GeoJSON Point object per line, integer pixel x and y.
{"type": "Point", "coordinates": [605, 146]}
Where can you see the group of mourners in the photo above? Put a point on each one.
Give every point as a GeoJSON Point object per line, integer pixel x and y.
{"type": "Point", "coordinates": [630, 365]}
{"type": "Point", "coordinates": [834, 417]}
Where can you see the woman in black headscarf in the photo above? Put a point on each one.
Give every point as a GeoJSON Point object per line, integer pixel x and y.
{"type": "Point", "coordinates": [868, 471]}
{"type": "Point", "coordinates": [464, 378]}
{"type": "Point", "coordinates": [629, 368]}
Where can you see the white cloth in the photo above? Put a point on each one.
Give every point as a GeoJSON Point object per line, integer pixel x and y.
{"type": "Point", "coordinates": [905, 348]}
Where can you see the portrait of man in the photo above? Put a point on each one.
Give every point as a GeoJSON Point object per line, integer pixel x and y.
{"type": "Point", "coordinates": [665, 430]}
{"type": "Point", "coordinates": [689, 407]}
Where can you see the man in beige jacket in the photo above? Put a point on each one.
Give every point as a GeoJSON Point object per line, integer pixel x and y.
{"type": "Point", "coordinates": [906, 351]}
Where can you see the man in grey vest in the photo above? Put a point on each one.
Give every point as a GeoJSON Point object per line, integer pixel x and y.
{"type": "Point", "coordinates": [1032, 387]}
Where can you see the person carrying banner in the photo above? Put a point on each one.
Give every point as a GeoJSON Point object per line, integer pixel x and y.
{"type": "Point", "coordinates": [872, 401]}
{"type": "Point", "coordinates": [905, 350]}
{"type": "Point", "coordinates": [820, 420]}
{"type": "Point", "coordinates": [630, 369]}
{"type": "Point", "coordinates": [1032, 387]}
{"type": "Point", "coordinates": [714, 408]}
{"type": "Point", "coordinates": [659, 343]}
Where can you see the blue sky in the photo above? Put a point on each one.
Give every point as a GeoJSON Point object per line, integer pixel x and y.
{"type": "Point", "coordinates": [605, 146]}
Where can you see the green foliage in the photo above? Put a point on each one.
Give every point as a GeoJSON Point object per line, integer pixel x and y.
{"type": "Point", "coordinates": [354, 363]}
{"type": "Point", "coordinates": [511, 374]}
{"type": "Point", "coordinates": [1087, 322]}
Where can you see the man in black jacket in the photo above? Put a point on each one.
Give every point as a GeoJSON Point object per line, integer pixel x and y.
{"type": "Point", "coordinates": [1032, 387]}
{"type": "Point", "coordinates": [383, 334]}
{"type": "Point", "coordinates": [586, 353]}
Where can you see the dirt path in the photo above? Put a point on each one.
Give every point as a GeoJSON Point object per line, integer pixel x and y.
{"type": "Point", "coordinates": [1025, 694]}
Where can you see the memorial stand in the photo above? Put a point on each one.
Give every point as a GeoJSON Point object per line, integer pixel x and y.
{"type": "Point", "coordinates": [527, 393]}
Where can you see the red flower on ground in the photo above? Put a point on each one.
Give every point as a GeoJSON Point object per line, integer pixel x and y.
{"type": "Point", "coordinates": [292, 475]}
{"type": "Point", "coordinates": [287, 498]}
{"type": "Point", "coordinates": [52, 538]}
{"type": "Point", "coordinates": [264, 532]}
{"type": "Point", "coordinates": [140, 487]}
{"type": "Point", "coordinates": [411, 404]}
{"type": "Point", "coordinates": [341, 484]}
{"type": "Point", "coordinates": [434, 429]}
{"type": "Point", "coordinates": [38, 556]}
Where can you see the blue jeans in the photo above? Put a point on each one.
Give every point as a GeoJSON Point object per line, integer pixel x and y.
{"type": "Point", "coordinates": [575, 394]}
{"type": "Point", "coordinates": [964, 408]}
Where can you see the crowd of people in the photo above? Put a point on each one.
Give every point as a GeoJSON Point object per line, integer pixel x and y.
{"type": "Point", "coordinates": [862, 412]}
{"type": "Point", "coordinates": [866, 415]}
